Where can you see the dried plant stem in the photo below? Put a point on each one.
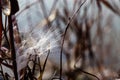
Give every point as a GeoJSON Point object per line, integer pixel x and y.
{"type": "Point", "coordinates": [77, 70]}
{"type": "Point", "coordinates": [0, 26]}
{"type": "Point", "coordinates": [44, 65]}
{"type": "Point", "coordinates": [12, 47]}
{"type": "Point", "coordinates": [70, 20]}
{"type": "Point", "coordinates": [5, 36]}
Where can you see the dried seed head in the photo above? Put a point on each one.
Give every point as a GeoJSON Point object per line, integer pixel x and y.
{"type": "Point", "coordinates": [6, 7]}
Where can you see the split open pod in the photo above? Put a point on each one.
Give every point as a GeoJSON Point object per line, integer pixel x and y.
{"type": "Point", "coordinates": [9, 7]}
{"type": "Point", "coordinates": [6, 7]}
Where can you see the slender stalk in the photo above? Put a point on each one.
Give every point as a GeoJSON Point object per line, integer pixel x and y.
{"type": "Point", "coordinates": [12, 47]}
{"type": "Point", "coordinates": [70, 20]}
{"type": "Point", "coordinates": [87, 73]}
{"type": "Point", "coordinates": [5, 36]}
{"type": "Point", "coordinates": [0, 25]}
{"type": "Point", "coordinates": [44, 65]}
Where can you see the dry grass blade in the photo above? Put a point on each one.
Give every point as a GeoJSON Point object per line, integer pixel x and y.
{"type": "Point", "coordinates": [34, 65]}
{"type": "Point", "coordinates": [44, 10]}
{"type": "Point", "coordinates": [53, 6]}
{"type": "Point", "coordinates": [78, 70]}
{"type": "Point", "coordinates": [5, 36]}
{"type": "Point", "coordinates": [25, 8]}
{"type": "Point", "coordinates": [0, 28]}
{"type": "Point", "coordinates": [44, 65]}
{"type": "Point", "coordinates": [71, 19]}
{"type": "Point", "coordinates": [99, 5]}
{"type": "Point", "coordinates": [106, 3]}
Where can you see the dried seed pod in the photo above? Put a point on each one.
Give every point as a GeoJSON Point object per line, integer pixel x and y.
{"type": "Point", "coordinates": [6, 7]}
{"type": "Point", "coordinates": [9, 7]}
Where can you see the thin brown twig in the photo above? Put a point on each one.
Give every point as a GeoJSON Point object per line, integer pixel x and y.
{"type": "Point", "coordinates": [44, 65]}
{"type": "Point", "coordinates": [70, 20]}
{"type": "Point", "coordinates": [78, 70]}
